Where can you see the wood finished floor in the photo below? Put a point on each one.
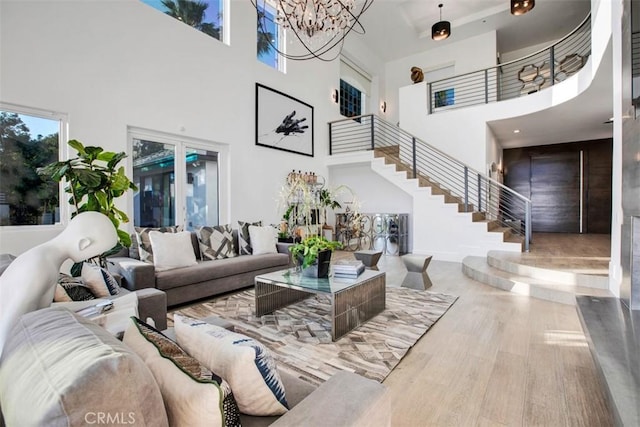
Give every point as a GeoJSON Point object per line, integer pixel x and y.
{"type": "Point", "coordinates": [495, 359]}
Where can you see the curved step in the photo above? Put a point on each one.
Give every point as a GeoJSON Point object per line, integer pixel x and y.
{"type": "Point", "coordinates": [478, 269]}
{"type": "Point", "coordinates": [590, 273]}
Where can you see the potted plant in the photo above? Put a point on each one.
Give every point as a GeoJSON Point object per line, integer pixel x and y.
{"type": "Point", "coordinates": [313, 255]}
{"type": "Point", "coordinates": [94, 181]}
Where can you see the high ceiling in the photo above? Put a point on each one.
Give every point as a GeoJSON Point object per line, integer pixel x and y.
{"type": "Point", "coordinates": [398, 28]}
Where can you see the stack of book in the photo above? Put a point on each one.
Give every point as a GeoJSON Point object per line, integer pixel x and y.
{"type": "Point", "coordinates": [348, 269]}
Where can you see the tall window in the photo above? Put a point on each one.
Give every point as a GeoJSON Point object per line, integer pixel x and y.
{"type": "Point", "coordinates": [350, 100]}
{"type": "Point", "coordinates": [269, 35]}
{"type": "Point", "coordinates": [204, 15]}
{"type": "Point", "coordinates": [355, 87]}
{"type": "Point", "coordinates": [28, 140]}
{"type": "Point", "coordinates": [169, 192]}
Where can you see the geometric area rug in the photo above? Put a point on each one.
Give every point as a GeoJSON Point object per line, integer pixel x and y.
{"type": "Point", "coordinates": [299, 335]}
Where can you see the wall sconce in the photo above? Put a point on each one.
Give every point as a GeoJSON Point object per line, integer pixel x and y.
{"type": "Point", "coordinates": [520, 7]}
{"type": "Point", "coordinates": [335, 95]}
{"type": "Point", "coordinates": [383, 106]}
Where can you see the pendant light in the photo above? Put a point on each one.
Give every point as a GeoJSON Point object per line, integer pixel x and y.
{"type": "Point", "coordinates": [520, 7]}
{"type": "Point", "coordinates": [441, 29]}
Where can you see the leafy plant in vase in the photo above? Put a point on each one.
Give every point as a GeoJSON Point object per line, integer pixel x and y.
{"type": "Point", "coordinates": [313, 255]}
{"type": "Point", "coordinates": [94, 181]}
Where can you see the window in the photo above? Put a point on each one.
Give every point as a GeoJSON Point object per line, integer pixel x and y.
{"type": "Point", "coordinates": [204, 15]}
{"type": "Point", "coordinates": [29, 139]}
{"type": "Point", "coordinates": [355, 87]}
{"type": "Point", "coordinates": [170, 193]}
{"type": "Point", "coordinates": [350, 100]}
{"type": "Point", "coordinates": [444, 98]}
{"type": "Point", "coordinates": [269, 35]}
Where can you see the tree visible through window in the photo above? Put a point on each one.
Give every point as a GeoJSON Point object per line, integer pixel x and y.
{"type": "Point", "coordinates": [205, 15]}
{"type": "Point", "coordinates": [26, 144]}
{"type": "Point", "coordinates": [268, 36]}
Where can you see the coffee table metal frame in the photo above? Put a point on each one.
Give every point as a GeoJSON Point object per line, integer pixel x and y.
{"type": "Point", "coordinates": [353, 301]}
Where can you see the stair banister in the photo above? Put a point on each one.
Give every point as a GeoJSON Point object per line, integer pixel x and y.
{"type": "Point", "coordinates": [450, 176]}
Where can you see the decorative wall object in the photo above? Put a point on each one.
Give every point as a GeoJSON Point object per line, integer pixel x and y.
{"type": "Point", "coordinates": [416, 74]}
{"type": "Point", "coordinates": [283, 122]}
{"type": "Point", "coordinates": [385, 232]}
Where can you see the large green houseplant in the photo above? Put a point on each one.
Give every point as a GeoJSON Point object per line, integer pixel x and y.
{"type": "Point", "coordinates": [94, 181]}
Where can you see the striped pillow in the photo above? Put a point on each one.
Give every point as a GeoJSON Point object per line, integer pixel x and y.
{"type": "Point", "coordinates": [244, 239]}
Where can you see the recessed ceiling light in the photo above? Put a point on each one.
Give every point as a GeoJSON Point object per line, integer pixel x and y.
{"type": "Point", "coordinates": [516, 131]}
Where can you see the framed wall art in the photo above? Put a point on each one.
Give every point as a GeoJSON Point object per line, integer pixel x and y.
{"type": "Point", "coordinates": [283, 122]}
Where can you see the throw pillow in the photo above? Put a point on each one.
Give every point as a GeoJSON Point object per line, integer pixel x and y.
{"type": "Point", "coordinates": [100, 281]}
{"type": "Point", "coordinates": [244, 239]}
{"type": "Point", "coordinates": [244, 362]}
{"type": "Point", "coordinates": [71, 289]}
{"type": "Point", "coordinates": [172, 250]}
{"type": "Point", "coordinates": [193, 395]}
{"type": "Point", "coordinates": [144, 243]}
{"type": "Point", "coordinates": [216, 242]}
{"type": "Point", "coordinates": [263, 239]}
{"type": "Point", "coordinates": [61, 369]}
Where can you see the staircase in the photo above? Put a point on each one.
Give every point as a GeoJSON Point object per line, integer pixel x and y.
{"type": "Point", "coordinates": [391, 156]}
{"type": "Point", "coordinates": [520, 274]}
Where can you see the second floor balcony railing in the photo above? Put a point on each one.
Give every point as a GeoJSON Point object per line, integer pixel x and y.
{"type": "Point", "coordinates": [517, 78]}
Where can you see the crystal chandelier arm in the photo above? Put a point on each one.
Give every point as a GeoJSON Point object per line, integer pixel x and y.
{"type": "Point", "coordinates": [333, 18]}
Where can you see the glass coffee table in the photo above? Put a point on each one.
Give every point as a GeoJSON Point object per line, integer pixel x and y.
{"type": "Point", "coordinates": [353, 301]}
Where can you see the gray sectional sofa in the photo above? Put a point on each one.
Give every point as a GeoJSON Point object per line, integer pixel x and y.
{"type": "Point", "coordinates": [59, 369]}
{"type": "Point", "coordinates": [207, 279]}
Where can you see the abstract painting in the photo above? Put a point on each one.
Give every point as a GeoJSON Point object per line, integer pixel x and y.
{"type": "Point", "coordinates": [283, 122]}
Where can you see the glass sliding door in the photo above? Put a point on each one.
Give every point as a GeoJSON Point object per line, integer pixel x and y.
{"type": "Point", "coordinates": [201, 188]}
{"type": "Point", "coordinates": [154, 171]}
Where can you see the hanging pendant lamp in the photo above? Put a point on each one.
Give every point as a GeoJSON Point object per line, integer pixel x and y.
{"type": "Point", "coordinates": [441, 29]}
{"type": "Point", "coordinates": [520, 7]}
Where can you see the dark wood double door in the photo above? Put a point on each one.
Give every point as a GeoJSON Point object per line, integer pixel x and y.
{"type": "Point", "coordinates": [569, 185]}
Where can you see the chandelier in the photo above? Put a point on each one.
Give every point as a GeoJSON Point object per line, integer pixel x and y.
{"type": "Point", "coordinates": [319, 25]}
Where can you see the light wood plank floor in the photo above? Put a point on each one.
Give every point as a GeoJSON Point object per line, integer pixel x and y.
{"type": "Point", "coordinates": [495, 359]}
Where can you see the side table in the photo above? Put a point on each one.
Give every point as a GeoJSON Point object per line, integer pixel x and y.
{"type": "Point", "coordinates": [417, 277]}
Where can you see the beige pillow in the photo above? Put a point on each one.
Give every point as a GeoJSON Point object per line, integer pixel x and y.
{"type": "Point", "coordinates": [244, 362]}
{"type": "Point", "coordinates": [59, 369]}
{"type": "Point", "coordinates": [172, 250]}
{"type": "Point", "coordinates": [263, 239]}
{"type": "Point", "coordinates": [193, 395]}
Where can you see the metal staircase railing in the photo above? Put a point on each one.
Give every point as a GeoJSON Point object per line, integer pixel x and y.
{"type": "Point", "coordinates": [472, 190]}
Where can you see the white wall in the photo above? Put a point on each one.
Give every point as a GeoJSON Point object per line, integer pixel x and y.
{"type": "Point", "coordinates": [114, 64]}
{"type": "Point", "coordinates": [467, 55]}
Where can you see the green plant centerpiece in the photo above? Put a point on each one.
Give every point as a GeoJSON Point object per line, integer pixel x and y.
{"type": "Point", "coordinates": [313, 255]}
{"type": "Point", "coordinates": [94, 182]}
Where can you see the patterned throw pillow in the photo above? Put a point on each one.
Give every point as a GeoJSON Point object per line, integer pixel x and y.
{"type": "Point", "coordinates": [191, 392]}
{"type": "Point", "coordinates": [244, 362]}
{"type": "Point", "coordinates": [71, 289]}
{"type": "Point", "coordinates": [244, 240]}
{"type": "Point", "coordinates": [100, 281]}
{"type": "Point", "coordinates": [144, 243]}
{"type": "Point", "coordinates": [216, 242]}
